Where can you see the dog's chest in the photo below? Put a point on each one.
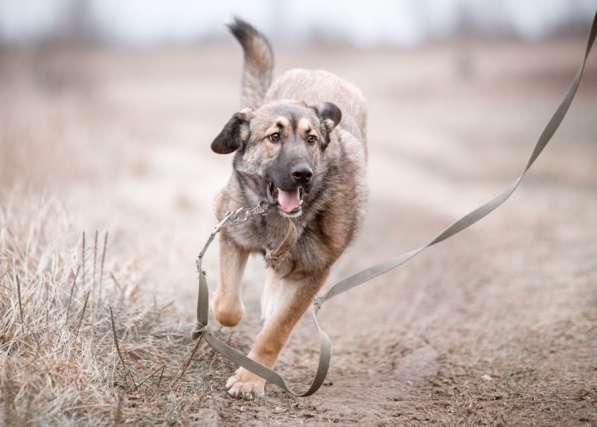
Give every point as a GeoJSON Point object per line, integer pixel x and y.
{"type": "Point", "coordinates": [264, 233]}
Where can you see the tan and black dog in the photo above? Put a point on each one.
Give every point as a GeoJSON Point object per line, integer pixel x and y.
{"type": "Point", "coordinates": [299, 143]}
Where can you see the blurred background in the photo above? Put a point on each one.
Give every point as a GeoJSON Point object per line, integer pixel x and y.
{"type": "Point", "coordinates": [109, 107]}
{"type": "Point", "coordinates": [151, 23]}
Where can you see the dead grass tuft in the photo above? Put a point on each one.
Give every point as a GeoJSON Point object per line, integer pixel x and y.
{"type": "Point", "coordinates": [78, 349]}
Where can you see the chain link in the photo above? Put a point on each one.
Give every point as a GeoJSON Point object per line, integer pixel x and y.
{"type": "Point", "coordinates": [243, 214]}
{"type": "Point", "coordinates": [235, 217]}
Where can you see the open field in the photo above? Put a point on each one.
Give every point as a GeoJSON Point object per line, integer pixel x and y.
{"type": "Point", "coordinates": [497, 326]}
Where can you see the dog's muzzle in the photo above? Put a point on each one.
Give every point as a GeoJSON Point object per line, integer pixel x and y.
{"type": "Point", "coordinates": [289, 202]}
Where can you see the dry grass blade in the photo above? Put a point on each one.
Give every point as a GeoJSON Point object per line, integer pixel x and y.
{"type": "Point", "coordinates": [83, 257]}
{"type": "Point", "coordinates": [188, 362]}
{"type": "Point", "coordinates": [161, 376]}
{"type": "Point", "coordinates": [124, 365]}
{"type": "Point", "coordinates": [116, 282]}
{"type": "Point", "coordinates": [70, 296]}
{"type": "Point", "coordinates": [93, 277]}
{"type": "Point", "coordinates": [80, 321]}
{"type": "Point", "coordinates": [102, 263]}
{"type": "Point", "coordinates": [18, 282]}
{"type": "Point", "coordinates": [155, 371]}
{"type": "Point", "coordinates": [95, 239]}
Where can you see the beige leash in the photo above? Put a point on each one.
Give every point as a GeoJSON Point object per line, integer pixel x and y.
{"type": "Point", "coordinates": [243, 214]}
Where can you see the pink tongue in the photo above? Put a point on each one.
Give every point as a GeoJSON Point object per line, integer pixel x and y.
{"type": "Point", "coordinates": [288, 200]}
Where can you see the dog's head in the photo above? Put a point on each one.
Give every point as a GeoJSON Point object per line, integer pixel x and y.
{"type": "Point", "coordinates": [279, 149]}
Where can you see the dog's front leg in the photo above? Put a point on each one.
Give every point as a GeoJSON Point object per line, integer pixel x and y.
{"type": "Point", "coordinates": [292, 300]}
{"type": "Point", "coordinates": [227, 304]}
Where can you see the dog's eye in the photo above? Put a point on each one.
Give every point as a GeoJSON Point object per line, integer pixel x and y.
{"type": "Point", "coordinates": [275, 137]}
{"type": "Point", "coordinates": [312, 139]}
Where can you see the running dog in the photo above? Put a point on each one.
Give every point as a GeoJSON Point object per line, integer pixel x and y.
{"type": "Point", "coordinates": [299, 144]}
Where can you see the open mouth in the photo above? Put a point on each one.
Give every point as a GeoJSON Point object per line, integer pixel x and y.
{"type": "Point", "coordinates": [289, 202]}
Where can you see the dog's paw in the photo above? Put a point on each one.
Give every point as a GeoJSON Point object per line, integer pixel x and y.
{"type": "Point", "coordinates": [245, 385]}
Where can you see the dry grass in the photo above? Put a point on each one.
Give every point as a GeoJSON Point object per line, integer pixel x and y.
{"type": "Point", "coordinates": [78, 345]}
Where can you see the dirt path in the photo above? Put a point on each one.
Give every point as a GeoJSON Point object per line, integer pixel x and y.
{"type": "Point", "coordinates": [498, 326]}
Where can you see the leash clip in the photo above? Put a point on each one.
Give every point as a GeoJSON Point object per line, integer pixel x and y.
{"type": "Point", "coordinates": [199, 330]}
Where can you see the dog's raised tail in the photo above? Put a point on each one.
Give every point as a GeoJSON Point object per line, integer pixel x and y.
{"type": "Point", "coordinates": [258, 66]}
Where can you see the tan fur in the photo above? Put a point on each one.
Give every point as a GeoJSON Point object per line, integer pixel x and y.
{"type": "Point", "coordinates": [332, 211]}
{"type": "Point", "coordinates": [226, 304]}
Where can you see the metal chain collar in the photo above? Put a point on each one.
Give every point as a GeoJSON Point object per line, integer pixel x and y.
{"type": "Point", "coordinates": [243, 214]}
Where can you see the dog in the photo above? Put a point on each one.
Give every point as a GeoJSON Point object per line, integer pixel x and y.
{"type": "Point", "coordinates": [299, 145]}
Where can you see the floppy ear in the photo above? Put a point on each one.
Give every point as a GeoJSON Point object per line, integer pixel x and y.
{"type": "Point", "coordinates": [330, 115]}
{"type": "Point", "coordinates": [234, 133]}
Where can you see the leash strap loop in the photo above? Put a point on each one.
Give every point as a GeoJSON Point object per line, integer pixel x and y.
{"type": "Point", "coordinates": [370, 273]}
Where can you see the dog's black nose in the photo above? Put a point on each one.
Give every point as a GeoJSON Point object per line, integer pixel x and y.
{"type": "Point", "coordinates": [301, 174]}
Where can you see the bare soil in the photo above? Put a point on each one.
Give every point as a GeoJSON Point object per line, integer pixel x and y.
{"type": "Point", "coordinates": [497, 326]}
